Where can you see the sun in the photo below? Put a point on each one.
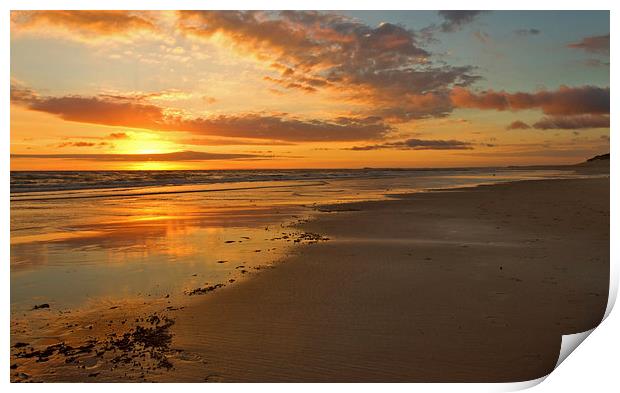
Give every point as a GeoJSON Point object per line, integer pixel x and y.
{"type": "Point", "coordinates": [144, 143]}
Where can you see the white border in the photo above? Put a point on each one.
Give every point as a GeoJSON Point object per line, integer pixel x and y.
{"type": "Point", "coordinates": [592, 367]}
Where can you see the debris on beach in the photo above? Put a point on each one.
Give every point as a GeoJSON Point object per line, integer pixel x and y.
{"type": "Point", "coordinates": [40, 306]}
{"type": "Point", "coordinates": [310, 238]}
{"type": "Point", "coordinates": [301, 237]}
{"type": "Point", "coordinates": [337, 209]}
{"type": "Point", "coordinates": [139, 351]}
{"type": "Point", "coordinates": [153, 341]}
{"type": "Point", "coordinates": [202, 291]}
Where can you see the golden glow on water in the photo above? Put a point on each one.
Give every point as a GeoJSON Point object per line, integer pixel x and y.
{"type": "Point", "coordinates": [123, 245]}
{"type": "Point", "coordinates": [51, 237]}
{"type": "Point", "coordinates": [154, 166]}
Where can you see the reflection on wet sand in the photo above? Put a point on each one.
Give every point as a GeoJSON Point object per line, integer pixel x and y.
{"type": "Point", "coordinates": [96, 261]}
{"type": "Point", "coordinates": [66, 251]}
{"type": "Point", "coordinates": [146, 253]}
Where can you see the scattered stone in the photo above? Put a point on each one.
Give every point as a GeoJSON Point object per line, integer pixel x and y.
{"type": "Point", "coordinates": [202, 291]}
{"type": "Point", "coordinates": [60, 348]}
{"type": "Point", "coordinates": [338, 209]}
{"type": "Point", "coordinates": [144, 342]}
{"type": "Point", "coordinates": [309, 237]}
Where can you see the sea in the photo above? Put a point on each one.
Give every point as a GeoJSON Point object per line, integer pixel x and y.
{"type": "Point", "coordinates": [80, 239]}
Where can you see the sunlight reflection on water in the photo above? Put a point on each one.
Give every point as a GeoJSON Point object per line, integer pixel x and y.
{"type": "Point", "coordinates": [69, 251]}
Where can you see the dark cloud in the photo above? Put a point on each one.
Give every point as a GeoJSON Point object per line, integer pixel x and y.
{"type": "Point", "coordinates": [573, 122]}
{"type": "Point", "coordinates": [526, 32]}
{"type": "Point", "coordinates": [83, 144]}
{"type": "Point", "coordinates": [109, 137]}
{"type": "Point", "coordinates": [455, 20]}
{"type": "Point", "coordinates": [126, 113]}
{"type": "Point", "coordinates": [118, 135]}
{"type": "Point", "coordinates": [517, 125]}
{"type": "Point", "coordinates": [594, 44]}
{"type": "Point", "coordinates": [86, 23]}
{"type": "Point", "coordinates": [564, 101]}
{"type": "Point", "coordinates": [176, 156]}
{"type": "Point", "coordinates": [279, 127]}
{"type": "Point", "coordinates": [417, 144]}
{"type": "Point", "coordinates": [95, 110]}
{"type": "Point", "coordinates": [534, 151]}
{"type": "Point", "coordinates": [384, 67]}
{"type": "Point", "coordinates": [232, 142]}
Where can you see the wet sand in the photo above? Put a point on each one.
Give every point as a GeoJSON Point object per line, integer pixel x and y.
{"type": "Point", "coordinates": [466, 285]}
{"type": "Point", "coordinates": [473, 284]}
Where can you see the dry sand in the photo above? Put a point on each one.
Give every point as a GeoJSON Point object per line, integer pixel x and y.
{"type": "Point", "coordinates": [465, 285]}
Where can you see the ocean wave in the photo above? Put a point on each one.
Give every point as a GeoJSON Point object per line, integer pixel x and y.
{"type": "Point", "coordinates": [46, 181]}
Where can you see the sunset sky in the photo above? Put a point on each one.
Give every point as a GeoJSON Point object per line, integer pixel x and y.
{"type": "Point", "coordinates": [232, 89]}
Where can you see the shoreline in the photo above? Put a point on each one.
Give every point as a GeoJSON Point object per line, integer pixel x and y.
{"type": "Point", "coordinates": [310, 319]}
{"type": "Point", "coordinates": [501, 320]}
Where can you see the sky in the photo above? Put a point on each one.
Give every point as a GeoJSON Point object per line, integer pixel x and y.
{"type": "Point", "coordinates": [99, 90]}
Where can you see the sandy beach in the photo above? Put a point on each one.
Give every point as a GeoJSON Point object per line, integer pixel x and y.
{"type": "Point", "coordinates": [471, 284]}
{"type": "Point", "coordinates": [305, 196]}
{"type": "Point", "coordinates": [467, 285]}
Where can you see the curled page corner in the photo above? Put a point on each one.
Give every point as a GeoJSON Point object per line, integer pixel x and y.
{"type": "Point", "coordinates": [613, 289]}
{"type": "Point", "coordinates": [516, 386]}
{"type": "Point", "coordinates": [569, 343]}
